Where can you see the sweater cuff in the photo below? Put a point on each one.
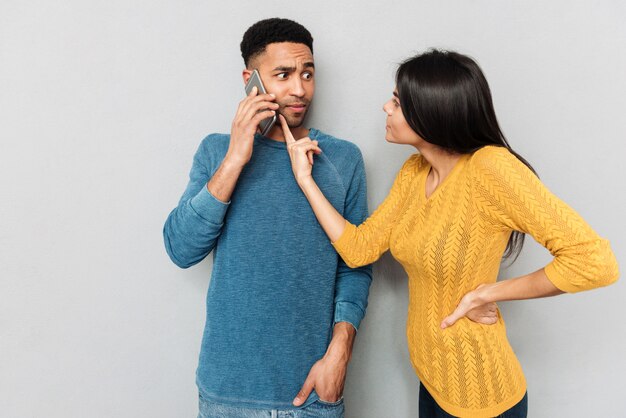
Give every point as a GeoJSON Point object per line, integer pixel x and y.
{"type": "Point", "coordinates": [343, 243]}
{"type": "Point", "coordinates": [348, 312]}
{"type": "Point", "coordinates": [208, 207]}
{"type": "Point", "coordinates": [558, 280]}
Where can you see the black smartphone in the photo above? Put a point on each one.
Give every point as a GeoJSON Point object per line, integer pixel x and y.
{"type": "Point", "coordinates": [255, 80]}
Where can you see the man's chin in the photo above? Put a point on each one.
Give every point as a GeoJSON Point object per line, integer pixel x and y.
{"type": "Point", "coordinates": [294, 121]}
{"type": "Point", "coordinates": [295, 125]}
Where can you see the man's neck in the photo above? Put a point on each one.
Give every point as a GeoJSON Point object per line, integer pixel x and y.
{"type": "Point", "coordinates": [276, 133]}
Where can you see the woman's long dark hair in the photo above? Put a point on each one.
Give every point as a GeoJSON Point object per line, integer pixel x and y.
{"type": "Point", "coordinates": [446, 100]}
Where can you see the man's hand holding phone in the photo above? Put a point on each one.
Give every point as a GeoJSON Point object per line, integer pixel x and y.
{"type": "Point", "coordinates": [251, 111]}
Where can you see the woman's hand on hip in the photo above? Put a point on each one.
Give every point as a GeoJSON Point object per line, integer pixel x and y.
{"type": "Point", "coordinates": [474, 307]}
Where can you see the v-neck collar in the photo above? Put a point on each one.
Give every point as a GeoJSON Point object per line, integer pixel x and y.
{"type": "Point", "coordinates": [457, 167]}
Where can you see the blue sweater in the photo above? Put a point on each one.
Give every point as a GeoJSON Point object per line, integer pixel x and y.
{"type": "Point", "coordinates": [277, 286]}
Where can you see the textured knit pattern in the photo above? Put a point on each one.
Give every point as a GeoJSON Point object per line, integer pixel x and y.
{"type": "Point", "coordinates": [277, 286]}
{"type": "Point", "coordinates": [452, 242]}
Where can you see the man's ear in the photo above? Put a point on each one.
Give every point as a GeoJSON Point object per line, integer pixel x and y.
{"type": "Point", "coordinates": [246, 74]}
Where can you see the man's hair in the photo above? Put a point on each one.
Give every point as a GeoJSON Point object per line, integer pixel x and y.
{"type": "Point", "coordinates": [269, 31]}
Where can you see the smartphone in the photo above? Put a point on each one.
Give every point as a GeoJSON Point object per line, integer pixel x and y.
{"type": "Point", "coordinates": [255, 80]}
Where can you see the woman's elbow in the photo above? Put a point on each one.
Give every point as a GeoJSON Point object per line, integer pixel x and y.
{"type": "Point", "coordinates": [606, 271]}
{"type": "Point", "coordinates": [611, 270]}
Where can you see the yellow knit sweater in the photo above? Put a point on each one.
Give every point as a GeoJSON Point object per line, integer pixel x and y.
{"type": "Point", "coordinates": [452, 242]}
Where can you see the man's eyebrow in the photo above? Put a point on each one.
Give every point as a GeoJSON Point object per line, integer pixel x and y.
{"type": "Point", "coordinates": [293, 69]}
{"type": "Point", "coordinates": [285, 69]}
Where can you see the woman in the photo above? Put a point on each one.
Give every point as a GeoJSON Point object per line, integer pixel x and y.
{"type": "Point", "coordinates": [454, 210]}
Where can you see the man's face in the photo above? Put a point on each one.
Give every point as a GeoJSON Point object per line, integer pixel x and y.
{"type": "Point", "coordinates": [287, 71]}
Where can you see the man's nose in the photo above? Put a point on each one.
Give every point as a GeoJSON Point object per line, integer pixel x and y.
{"type": "Point", "coordinates": [297, 88]}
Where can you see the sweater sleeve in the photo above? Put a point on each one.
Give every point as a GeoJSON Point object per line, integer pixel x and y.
{"type": "Point", "coordinates": [192, 228]}
{"type": "Point", "coordinates": [352, 284]}
{"type": "Point", "coordinates": [512, 197]}
{"type": "Point", "coordinates": [364, 244]}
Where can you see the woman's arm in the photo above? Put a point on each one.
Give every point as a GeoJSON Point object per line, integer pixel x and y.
{"type": "Point", "coordinates": [530, 286]}
{"type": "Point", "coordinates": [365, 251]}
{"type": "Point", "coordinates": [511, 197]}
{"type": "Point", "coordinates": [328, 217]}
{"type": "Point", "coordinates": [302, 163]}
{"type": "Point", "coordinates": [357, 245]}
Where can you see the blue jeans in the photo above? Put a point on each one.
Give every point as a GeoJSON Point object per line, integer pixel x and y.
{"type": "Point", "coordinates": [429, 408]}
{"type": "Point", "coordinates": [317, 409]}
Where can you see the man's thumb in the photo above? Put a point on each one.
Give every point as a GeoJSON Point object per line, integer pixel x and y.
{"type": "Point", "coordinates": [304, 393]}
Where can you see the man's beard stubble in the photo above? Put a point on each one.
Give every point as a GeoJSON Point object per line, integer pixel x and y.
{"type": "Point", "coordinates": [294, 122]}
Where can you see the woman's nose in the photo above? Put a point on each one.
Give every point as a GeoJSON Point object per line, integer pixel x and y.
{"type": "Point", "coordinates": [387, 107]}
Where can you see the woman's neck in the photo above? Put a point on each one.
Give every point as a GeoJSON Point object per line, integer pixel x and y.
{"type": "Point", "coordinates": [441, 162]}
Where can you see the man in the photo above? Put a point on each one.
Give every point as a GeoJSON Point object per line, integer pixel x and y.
{"type": "Point", "coordinates": [282, 307]}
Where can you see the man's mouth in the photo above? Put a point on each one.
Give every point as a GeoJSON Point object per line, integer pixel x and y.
{"type": "Point", "coordinates": [297, 107]}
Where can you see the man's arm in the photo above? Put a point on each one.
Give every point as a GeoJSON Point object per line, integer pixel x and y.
{"type": "Point", "coordinates": [328, 375]}
{"type": "Point", "coordinates": [244, 126]}
{"type": "Point", "coordinates": [192, 228]}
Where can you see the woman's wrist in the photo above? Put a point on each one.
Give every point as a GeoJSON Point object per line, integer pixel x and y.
{"type": "Point", "coordinates": [483, 294]}
{"type": "Point", "coordinates": [305, 181]}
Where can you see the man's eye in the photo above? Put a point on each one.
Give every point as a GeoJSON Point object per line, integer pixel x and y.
{"type": "Point", "coordinates": [282, 76]}
{"type": "Point", "coordinates": [307, 76]}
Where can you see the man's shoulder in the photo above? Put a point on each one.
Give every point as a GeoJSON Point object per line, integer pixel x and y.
{"type": "Point", "coordinates": [212, 150]}
{"type": "Point", "coordinates": [215, 142]}
{"type": "Point", "coordinates": [336, 147]}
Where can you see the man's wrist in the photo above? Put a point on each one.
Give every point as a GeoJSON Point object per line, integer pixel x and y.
{"type": "Point", "coordinates": [232, 163]}
{"type": "Point", "coordinates": [340, 347]}
{"type": "Point", "coordinates": [344, 329]}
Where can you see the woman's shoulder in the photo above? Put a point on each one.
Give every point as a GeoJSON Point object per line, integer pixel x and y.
{"type": "Point", "coordinates": [492, 158]}
{"type": "Point", "coordinates": [499, 165]}
{"type": "Point", "coordinates": [491, 152]}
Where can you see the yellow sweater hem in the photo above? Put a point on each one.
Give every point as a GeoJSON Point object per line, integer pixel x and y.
{"type": "Point", "coordinates": [490, 412]}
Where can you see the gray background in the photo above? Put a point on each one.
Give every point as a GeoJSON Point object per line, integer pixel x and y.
{"type": "Point", "coordinates": [103, 103]}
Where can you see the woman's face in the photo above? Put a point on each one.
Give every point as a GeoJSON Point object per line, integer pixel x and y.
{"type": "Point", "coordinates": [398, 130]}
